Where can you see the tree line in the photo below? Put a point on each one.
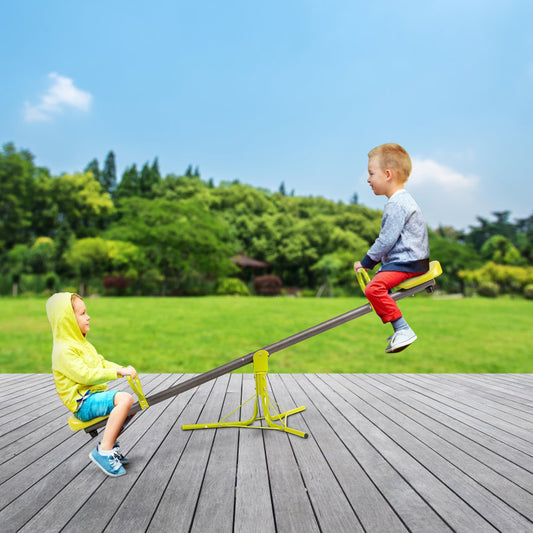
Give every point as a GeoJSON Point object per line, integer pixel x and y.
{"type": "Point", "coordinates": [177, 235]}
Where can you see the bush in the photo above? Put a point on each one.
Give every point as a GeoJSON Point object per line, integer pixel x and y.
{"type": "Point", "coordinates": [232, 286]}
{"type": "Point", "coordinates": [267, 285]}
{"type": "Point", "coordinates": [116, 285]}
{"type": "Point", "coordinates": [488, 289]}
{"type": "Point", "coordinates": [528, 291]}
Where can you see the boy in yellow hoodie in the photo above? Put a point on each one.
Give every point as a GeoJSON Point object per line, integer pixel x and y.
{"type": "Point", "coordinates": [80, 374]}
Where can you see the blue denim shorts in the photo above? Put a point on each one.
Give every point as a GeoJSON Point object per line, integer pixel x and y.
{"type": "Point", "coordinates": [96, 404]}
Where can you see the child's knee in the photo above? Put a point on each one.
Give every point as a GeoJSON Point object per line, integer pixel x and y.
{"type": "Point", "coordinates": [372, 290]}
{"type": "Point", "coordinates": [123, 399]}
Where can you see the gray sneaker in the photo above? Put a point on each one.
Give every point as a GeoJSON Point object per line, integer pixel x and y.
{"type": "Point", "coordinates": [109, 464]}
{"type": "Point", "coordinates": [401, 340]}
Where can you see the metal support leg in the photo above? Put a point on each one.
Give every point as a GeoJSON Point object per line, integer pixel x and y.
{"type": "Point", "coordinates": [260, 398]}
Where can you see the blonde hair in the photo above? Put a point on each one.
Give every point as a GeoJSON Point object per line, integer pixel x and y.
{"type": "Point", "coordinates": [393, 156]}
{"type": "Point", "coordinates": [74, 297]}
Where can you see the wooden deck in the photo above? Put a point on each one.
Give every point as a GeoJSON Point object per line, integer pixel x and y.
{"type": "Point", "coordinates": [385, 453]}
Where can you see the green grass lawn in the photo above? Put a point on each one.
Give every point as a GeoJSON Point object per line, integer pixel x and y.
{"type": "Point", "coordinates": [193, 335]}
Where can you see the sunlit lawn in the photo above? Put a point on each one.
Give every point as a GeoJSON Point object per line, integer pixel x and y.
{"type": "Point", "coordinates": [193, 335]}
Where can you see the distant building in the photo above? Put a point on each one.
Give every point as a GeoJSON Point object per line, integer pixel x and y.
{"type": "Point", "coordinates": [250, 268]}
{"type": "Point", "coordinates": [243, 261]}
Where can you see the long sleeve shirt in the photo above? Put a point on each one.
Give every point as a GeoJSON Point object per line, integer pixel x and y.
{"type": "Point", "coordinates": [402, 244]}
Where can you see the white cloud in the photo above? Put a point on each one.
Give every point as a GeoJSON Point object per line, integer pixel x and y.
{"type": "Point", "coordinates": [447, 197]}
{"type": "Point", "coordinates": [61, 94]}
{"type": "Point", "coordinates": [429, 172]}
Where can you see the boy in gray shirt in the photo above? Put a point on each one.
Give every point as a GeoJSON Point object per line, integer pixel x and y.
{"type": "Point", "coordinates": [402, 246]}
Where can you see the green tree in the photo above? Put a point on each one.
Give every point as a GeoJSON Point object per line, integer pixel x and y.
{"type": "Point", "coordinates": [88, 258]}
{"type": "Point", "coordinates": [17, 263]}
{"type": "Point", "coordinates": [328, 270]}
{"type": "Point", "coordinates": [108, 178]}
{"type": "Point", "coordinates": [82, 203]}
{"type": "Point", "coordinates": [181, 187]}
{"type": "Point", "coordinates": [181, 238]}
{"type": "Point", "coordinates": [17, 191]}
{"type": "Point", "coordinates": [524, 238]}
{"type": "Point", "coordinates": [45, 210]}
{"type": "Point", "coordinates": [125, 259]}
{"type": "Point", "coordinates": [502, 251]}
{"type": "Point", "coordinates": [479, 235]}
{"type": "Point", "coordinates": [94, 167]}
{"type": "Point", "coordinates": [63, 241]}
{"type": "Point", "coordinates": [454, 257]}
{"type": "Point", "coordinates": [190, 173]}
{"type": "Point", "coordinates": [129, 185]}
{"type": "Point", "coordinates": [42, 256]}
{"type": "Point", "coordinates": [149, 179]}
{"type": "Point", "coordinates": [155, 170]}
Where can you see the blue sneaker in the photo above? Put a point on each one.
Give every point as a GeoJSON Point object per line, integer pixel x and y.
{"type": "Point", "coordinates": [118, 452]}
{"type": "Point", "coordinates": [109, 464]}
{"type": "Point", "coordinates": [119, 455]}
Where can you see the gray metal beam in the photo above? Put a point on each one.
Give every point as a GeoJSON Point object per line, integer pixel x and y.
{"type": "Point", "coordinates": [271, 348]}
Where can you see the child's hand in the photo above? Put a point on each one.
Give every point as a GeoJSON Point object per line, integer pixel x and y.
{"type": "Point", "coordinates": [127, 371]}
{"type": "Point", "coordinates": [357, 265]}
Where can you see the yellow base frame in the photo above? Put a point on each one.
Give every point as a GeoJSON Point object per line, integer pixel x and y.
{"type": "Point", "coordinates": [260, 398]}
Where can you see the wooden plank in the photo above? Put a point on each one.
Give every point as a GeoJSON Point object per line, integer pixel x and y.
{"type": "Point", "coordinates": [216, 502]}
{"type": "Point", "coordinates": [473, 395]}
{"type": "Point", "coordinates": [418, 464]}
{"type": "Point", "coordinates": [487, 483]}
{"type": "Point", "coordinates": [471, 415]}
{"type": "Point", "coordinates": [502, 458]}
{"type": "Point", "coordinates": [490, 487]}
{"type": "Point", "coordinates": [176, 507]}
{"type": "Point", "coordinates": [489, 401]}
{"type": "Point", "coordinates": [15, 384]}
{"type": "Point", "coordinates": [347, 473]}
{"type": "Point", "coordinates": [332, 508]}
{"type": "Point", "coordinates": [513, 385]}
{"type": "Point", "coordinates": [502, 397]}
{"type": "Point", "coordinates": [290, 501]}
{"type": "Point", "coordinates": [33, 391]}
{"type": "Point", "coordinates": [253, 502]}
{"type": "Point", "coordinates": [396, 502]}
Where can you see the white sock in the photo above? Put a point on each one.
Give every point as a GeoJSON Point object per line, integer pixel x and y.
{"type": "Point", "coordinates": [104, 452]}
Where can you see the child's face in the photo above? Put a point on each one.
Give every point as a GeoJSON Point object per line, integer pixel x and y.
{"type": "Point", "coordinates": [377, 177]}
{"type": "Point", "coordinates": [80, 312]}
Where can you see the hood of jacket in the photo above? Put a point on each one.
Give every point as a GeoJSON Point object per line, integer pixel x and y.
{"type": "Point", "coordinates": [62, 319]}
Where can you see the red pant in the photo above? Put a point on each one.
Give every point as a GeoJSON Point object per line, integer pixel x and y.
{"type": "Point", "coordinates": [377, 292]}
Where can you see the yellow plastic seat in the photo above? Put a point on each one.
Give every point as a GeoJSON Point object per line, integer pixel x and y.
{"type": "Point", "coordinates": [434, 270]}
{"type": "Point", "coordinates": [76, 424]}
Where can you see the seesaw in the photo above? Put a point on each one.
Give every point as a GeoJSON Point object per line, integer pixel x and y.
{"type": "Point", "coordinates": [259, 358]}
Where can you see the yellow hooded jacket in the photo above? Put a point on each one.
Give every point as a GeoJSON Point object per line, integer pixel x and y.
{"type": "Point", "coordinates": [76, 365]}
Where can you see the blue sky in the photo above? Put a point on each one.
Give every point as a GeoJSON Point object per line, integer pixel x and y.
{"type": "Point", "coordinates": [293, 91]}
